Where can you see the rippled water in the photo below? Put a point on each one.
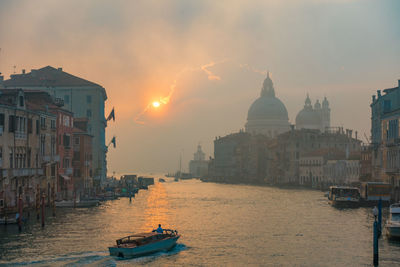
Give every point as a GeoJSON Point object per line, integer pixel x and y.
{"type": "Point", "coordinates": [220, 224]}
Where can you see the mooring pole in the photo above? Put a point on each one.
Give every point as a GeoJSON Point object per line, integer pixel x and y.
{"type": "Point", "coordinates": [74, 198]}
{"type": "Point", "coordinates": [43, 196]}
{"type": "Point", "coordinates": [20, 213]}
{"type": "Point", "coordinates": [376, 250]}
{"type": "Point", "coordinates": [379, 217]}
{"type": "Point", "coordinates": [37, 202]}
{"type": "Point", "coordinates": [53, 196]}
{"type": "Point", "coordinates": [130, 196]}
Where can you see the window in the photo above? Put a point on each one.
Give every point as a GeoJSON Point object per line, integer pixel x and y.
{"type": "Point", "coordinates": [66, 99]}
{"type": "Point", "coordinates": [11, 124]}
{"type": "Point", "coordinates": [21, 101]}
{"type": "Point", "coordinates": [76, 140]}
{"type": "Point", "coordinates": [66, 163]}
{"type": "Point", "coordinates": [53, 124]}
{"type": "Point", "coordinates": [66, 121]}
{"type": "Point", "coordinates": [1, 156]}
{"type": "Point", "coordinates": [53, 170]}
{"type": "Point", "coordinates": [1, 123]}
{"type": "Point", "coordinates": [77, 155]}
{"type": "Point", "coordinates": [43, 122]}
{"type": "Point", "coordinates": [37, 127]}
{"type": "Point", "coordinates": [29, 158]}
{"type": "Point", "coordinates": [29, 126]}
{"type": "Point", "coordinates": [42, 144]}
{"type": "Point", "coordinates": [53, 145]}
{"type": "Point", "coordinates": [88, 99]}
{"type": "Point", "coordinates": [89, 113]}
{"type": "Point", "coordinates": [66, 140]}
{"type": "Point", "coordinates": [11, 159]}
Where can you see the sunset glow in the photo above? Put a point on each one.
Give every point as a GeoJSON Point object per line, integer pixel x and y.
{"type": "Point", "coordinates": [156, 104]}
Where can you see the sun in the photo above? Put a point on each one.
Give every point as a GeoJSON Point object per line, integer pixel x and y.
{"type": "Point", "coordinates": [156, 104]}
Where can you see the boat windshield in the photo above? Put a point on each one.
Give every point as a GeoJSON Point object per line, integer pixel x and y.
{"type": "Point", "coordinates": [396, 217]}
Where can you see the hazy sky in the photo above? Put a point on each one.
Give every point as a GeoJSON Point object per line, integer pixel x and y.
{"type": "Point", "coordinates": [139, 50]}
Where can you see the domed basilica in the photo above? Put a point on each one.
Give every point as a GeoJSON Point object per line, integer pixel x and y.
{"type": "Point", "coordinates": [268, 115]}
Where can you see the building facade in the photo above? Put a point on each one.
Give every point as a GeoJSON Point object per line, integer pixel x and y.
{"type": "Point", "coordinates": [81, 97]}
{"type": "Point", "coordinates": [198, 167]}
{"type": "Point", "coordinates": [82, 158]}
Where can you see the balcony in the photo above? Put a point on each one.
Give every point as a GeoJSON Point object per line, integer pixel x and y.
{"type": "Point", "coordinates": [68, 171]}
{"type": "Point", "coordinates": [54, 158]}
{"type": "Point", "coordinates": [392, 170]}
{"type": "Point", "coordinates": [23, 172]}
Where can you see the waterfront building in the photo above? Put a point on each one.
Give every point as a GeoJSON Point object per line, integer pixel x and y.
{"type": "Point", "coordinates": [82, 158]}
{"type": "Point", "coordinates": [42, 101]}
{"type": "Point", "coordinates": [21, 147]}
{"type": "Point", "coordinates": [267, 115]}
{"type": "Point", "coordinates": [324, 167]}
{"type": "Point", "coordinates": [366, 163]}
{"type": "Point", "coordinates": [81, 97]}
{"type": "Point", "coordinates": [240, 157]}
{"type": "Point", "coordinates": [385, 139]}
{"type": "Point", "coordinates": [289, 147]}
{"type": "Point", "coordinates": [317, 118]}
{"type": "Point", "coordinates": [198, 167]}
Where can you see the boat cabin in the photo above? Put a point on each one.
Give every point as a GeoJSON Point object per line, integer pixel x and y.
{"type": "Point", "coordinates": [336, 192]}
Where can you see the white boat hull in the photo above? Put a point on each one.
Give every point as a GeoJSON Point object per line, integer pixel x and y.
{"type": "Point", "coordinates": [163, 245]}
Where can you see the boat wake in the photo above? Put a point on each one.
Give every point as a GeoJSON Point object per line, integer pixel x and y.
{"type": "Point", "coordinates": [94, 258]}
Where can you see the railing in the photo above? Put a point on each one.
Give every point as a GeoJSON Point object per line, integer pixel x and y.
{"type": "Point", "coordinates": [68, 171]}
{"type": "Point", "coordinates": [392, 170]}
{"type": "Point", "coordinates": [22, 172]}
{"type": "Point", "coordinates": [54, 158]}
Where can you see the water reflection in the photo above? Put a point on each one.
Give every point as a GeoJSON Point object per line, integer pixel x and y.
{"type": "Point", "coordinates": [156, 210]}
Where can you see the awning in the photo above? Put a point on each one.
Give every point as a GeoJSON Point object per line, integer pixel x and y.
{"type": "Point", "coordinates": [67, 178]}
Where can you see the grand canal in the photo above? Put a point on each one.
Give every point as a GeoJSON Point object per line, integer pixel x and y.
{"type": "Point", "coordinates": [233, 225]}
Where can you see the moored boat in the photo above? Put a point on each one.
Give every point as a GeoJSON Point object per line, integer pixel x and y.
{"type": "Point", "coordinates": [393, 223]}
{"type": "Point", "coordinates": [344, 196]}
{"type": "Point", "coordinates": [144, 243]}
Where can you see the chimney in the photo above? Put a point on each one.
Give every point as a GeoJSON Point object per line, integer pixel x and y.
{"type": "Point", "coordinates": [292, 127]}
{"type": "Point", "coordinates": [351, 133]}
{"type": "Point", "coordinates": [60, 69]}
{"type": "Point", "coordinates": [23, 71]}
{"type": "Point", "coordinates": [379, 93]}
{"type": "Point", "coordinates": [356, 135]}
{"type": "Point", "coordinates": [373, 98]}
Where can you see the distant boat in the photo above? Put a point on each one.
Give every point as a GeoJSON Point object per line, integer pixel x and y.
{"type": "Point", "coordinates": [393, 223]}
{"type": "Point", "coordinates": [161, 180]}
{"type": "Point", "coordinates": [344, 196]}
{"type": "Point", "coordinates": [176, 179]}
{"type": "Point", "coordinates": [144, 243]}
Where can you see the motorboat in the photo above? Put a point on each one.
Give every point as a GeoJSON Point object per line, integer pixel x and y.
{"type": "Point", "coordinates": [161, 180]}
{"type": "Point", "coordinates": [144, 243]}
{"type": "Point", "coordinates": [393, 223]}
{"type": "Point", "coordinates": [344, 196]}
{"type": "Point", "coordinates": [77, 204]}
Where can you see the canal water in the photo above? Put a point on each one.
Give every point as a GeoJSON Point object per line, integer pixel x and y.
{"type": "Point", "coordinates": [234, 225]}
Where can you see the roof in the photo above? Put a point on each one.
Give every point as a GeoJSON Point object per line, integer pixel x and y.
{"type": "Point", "coordinates": [47, 76]}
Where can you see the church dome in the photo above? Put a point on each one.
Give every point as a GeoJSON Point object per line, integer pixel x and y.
{"type": "Point", "coordinates": [308, 118]}
{"type": "Point", "coordinates": [267, 106]}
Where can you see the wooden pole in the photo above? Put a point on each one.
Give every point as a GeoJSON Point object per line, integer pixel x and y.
{"type": "Point", "coordinates": [43, 197]}
{"type": "Point", "coordinates": [376, 249]}
{"type": "Point", "coordinates": [20, 213]}
{"type": "Point", "coordinates": [53, 196]}
{"type": "Point", "coordinates": [37, 202]}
